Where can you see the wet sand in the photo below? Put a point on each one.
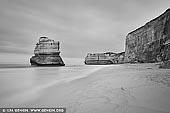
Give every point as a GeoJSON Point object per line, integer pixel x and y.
{"type": "Point", "coordinates": [126, 88]}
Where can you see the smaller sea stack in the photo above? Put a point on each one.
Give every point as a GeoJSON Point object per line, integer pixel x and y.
{"type": "Point", "coordinates": [99, 58]}
{"type": "Point", "coordinates": [46, 53]}
{"type": "Point", "coordinates": [104, 58]}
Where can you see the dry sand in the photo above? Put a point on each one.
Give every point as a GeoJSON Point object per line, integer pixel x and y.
{"type": "Point", "coordinates": [126, 88]}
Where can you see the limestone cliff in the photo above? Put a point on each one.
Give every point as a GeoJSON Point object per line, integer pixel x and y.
{"type": "Point", "coordinates": [47, 53]}
{"type": "Point", "coordinates": [150, 43]}
{"type": "Point", "coordinates": [104, 58]}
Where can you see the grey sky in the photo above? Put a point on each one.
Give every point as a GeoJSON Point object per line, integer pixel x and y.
{"type": "Point", "coordinates": [81, 26]}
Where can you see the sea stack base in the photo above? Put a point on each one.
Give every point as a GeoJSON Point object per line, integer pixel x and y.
{"type": "Point", "coordinates": [46, 60]}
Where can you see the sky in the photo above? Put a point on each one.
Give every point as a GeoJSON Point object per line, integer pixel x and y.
{"type": "Point", "coordinates": [81, 26]}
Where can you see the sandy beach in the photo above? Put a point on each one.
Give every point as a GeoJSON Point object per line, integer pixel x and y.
{"type": "Point", "coordinates": [125, 88]}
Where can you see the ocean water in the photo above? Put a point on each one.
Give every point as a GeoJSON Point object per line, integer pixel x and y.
{"type": "Point", "coordinates": [21, 83]}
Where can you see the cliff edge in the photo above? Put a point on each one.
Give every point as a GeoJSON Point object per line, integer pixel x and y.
{"type": "Point", "coordinates": [151, 42]}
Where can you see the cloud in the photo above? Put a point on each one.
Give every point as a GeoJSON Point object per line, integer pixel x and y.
{"type": "Point", "coordinates": [81, 26]}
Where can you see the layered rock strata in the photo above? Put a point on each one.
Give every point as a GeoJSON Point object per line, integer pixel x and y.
{"type": "Point", "coordinates": [151, 42]}
{"type": "Point", "coordinates": [46, 53]}
{"type": "Point", "coordinates": [104, 58]}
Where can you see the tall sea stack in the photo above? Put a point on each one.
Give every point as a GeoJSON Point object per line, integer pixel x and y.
{"type": "Point", "coordinates": [46, 53]}
{"type": "Point", "coordinates": [151, 42]}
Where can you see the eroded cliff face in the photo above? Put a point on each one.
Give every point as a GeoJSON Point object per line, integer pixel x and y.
{"type": "Point", "coordinates": [47, 52]}
{"type": "Point", "coordinates": [104, 58]}
{"type": "Point", "coordinates": [150, 43]}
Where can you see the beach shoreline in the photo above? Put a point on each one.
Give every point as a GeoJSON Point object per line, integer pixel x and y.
{"type": "Point", "coordinates": [124, 88]}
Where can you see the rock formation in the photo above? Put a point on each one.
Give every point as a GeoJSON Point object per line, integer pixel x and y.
{"type": "Point", "coordinates": [119, 58]}
{"type": "Point", "coordinates": [104, 58]}
{"type": "Point", "coordinates": [151, 42]}
{"type": "Point", "coordinates": [47, 52]}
